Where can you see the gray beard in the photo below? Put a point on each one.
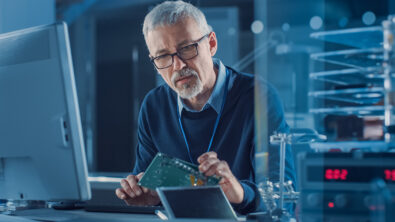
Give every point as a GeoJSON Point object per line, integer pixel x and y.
{"type": "Point", "coordinates": [190, 89]}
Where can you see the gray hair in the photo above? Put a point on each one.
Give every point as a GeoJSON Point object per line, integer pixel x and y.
{"type": "Point", "coordinates": [170, 13]}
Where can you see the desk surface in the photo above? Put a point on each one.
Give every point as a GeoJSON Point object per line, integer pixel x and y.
{"type": "Point", "coordinates": [84, 216]}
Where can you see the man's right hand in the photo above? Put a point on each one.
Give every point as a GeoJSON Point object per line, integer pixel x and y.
{"type": "Point", "coordinates": [133, 194]}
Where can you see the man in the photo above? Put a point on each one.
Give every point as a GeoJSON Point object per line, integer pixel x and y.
{"type": "Point", "coordinates": [203, 114]}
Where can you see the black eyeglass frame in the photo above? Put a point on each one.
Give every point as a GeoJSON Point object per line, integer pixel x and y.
{"type": "Point", "coordinates": [195, 43]}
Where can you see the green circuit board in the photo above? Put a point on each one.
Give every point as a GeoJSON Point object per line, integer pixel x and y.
{"type": "Point", "coordinates": [166, 171]}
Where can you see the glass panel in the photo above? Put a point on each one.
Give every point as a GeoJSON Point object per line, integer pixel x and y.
{"type": "Point", "coordinates": [359, 96]}
{"type": "Point", "coordinates": [369, 37]}
{"type": "Point", "coordinates": [350, 76]}
{"type": "Point", "coordinates": [356, 58]}
{"type": "Point", "coordinates": [359, 110]}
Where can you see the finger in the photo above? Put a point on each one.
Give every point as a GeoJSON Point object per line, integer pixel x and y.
{"type": "Point", "coordinates": [139, 176]}
{"type": "Point", "coordinates": [127, 189]}
{"type": "Point", "coordinates": [204, 166]}
{"type": "Point", "coordinates": [121, 194]}
{"type": "Point", "coordinates": [223, 170]}
{"type": "Point", "coordinates": [212, 170]}
{"type": "Point", "coordinates": [207, 155]}
{"type": "Point", "coordinates": [208, 165]}
{"type": "Point", "coordinates": [225, 173]}
{"type": "Point", "coordinates": [220, 169]}
{"type": "Point", "coordinates": [145, 190]}
{"type": "Point", "coordinates": [132, 180]}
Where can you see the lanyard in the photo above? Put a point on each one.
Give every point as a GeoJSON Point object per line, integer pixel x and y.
{"type": "Point", "coordinates": [216, 121]}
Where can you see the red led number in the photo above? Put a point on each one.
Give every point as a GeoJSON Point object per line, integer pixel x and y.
{"type": "Point", "coordinates": [389, 174]}
{"type": "Point", "coordinates": [336, 174]}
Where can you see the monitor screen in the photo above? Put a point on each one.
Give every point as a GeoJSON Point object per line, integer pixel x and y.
{"type": "Point", "coordinates": [196, 202]}
{"type": "Point", "coordinates": [42, 154]}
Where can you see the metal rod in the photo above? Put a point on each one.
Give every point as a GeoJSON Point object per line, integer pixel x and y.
{"type": "Point", "coordinates": [282, 168]}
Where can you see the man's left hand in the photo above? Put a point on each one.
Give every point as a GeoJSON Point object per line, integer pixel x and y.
{"type": "Point", "coordinates": [210, 165]}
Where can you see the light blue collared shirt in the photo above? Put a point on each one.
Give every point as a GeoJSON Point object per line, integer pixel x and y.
{"type": "Point", "coordinates": [217, 95]}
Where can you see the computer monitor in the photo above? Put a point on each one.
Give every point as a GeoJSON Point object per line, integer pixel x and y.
{"type": "Point", "coordinates": [42, 154]}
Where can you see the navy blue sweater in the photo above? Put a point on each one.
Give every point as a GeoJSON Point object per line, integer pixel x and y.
{"type": "Point", "coordinates": [159, 131]}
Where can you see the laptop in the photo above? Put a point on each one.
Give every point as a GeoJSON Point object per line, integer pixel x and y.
{"type": "Point", "coordinates": [203, 202]}
{"type": "Point", "coordinates": [105, 200]}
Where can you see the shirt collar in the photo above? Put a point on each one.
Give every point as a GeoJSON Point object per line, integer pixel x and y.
{"type": "Point", "coordinates": [216, 97]}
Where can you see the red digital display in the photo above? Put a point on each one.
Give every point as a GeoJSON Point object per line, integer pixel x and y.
{"type": "Point", "coordinates": [351, 174]}
{"type": "Point", "coordinates": [336, 174]}
{"type": "Point", "coordinates": [389, 174]}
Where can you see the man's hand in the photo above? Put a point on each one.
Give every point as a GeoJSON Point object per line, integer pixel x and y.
{"type": "Point", "coordinates": [133, 194]}
{"type": "Point", "coordinates": [211, 165]}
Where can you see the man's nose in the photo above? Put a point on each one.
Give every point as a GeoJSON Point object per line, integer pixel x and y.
{"type": "Point", "coordinates": [178, 63]}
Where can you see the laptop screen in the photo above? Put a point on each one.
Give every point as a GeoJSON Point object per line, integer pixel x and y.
{"type": "Point", "coordinates": [196, 202]}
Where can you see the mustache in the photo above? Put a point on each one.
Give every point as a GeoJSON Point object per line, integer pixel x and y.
{"type": "Point", "coordinates": [177, 75]}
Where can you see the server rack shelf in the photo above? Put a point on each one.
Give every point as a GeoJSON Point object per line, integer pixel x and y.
{"type": "Point", "coordinates": [363, 88]}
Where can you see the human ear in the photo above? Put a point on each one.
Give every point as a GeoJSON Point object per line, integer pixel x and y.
{"type": "Point", "coordinates": [212, 40]}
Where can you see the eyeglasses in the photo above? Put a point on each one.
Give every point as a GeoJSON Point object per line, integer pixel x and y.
{"type": "Point", "coordinates": [185, 53]}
